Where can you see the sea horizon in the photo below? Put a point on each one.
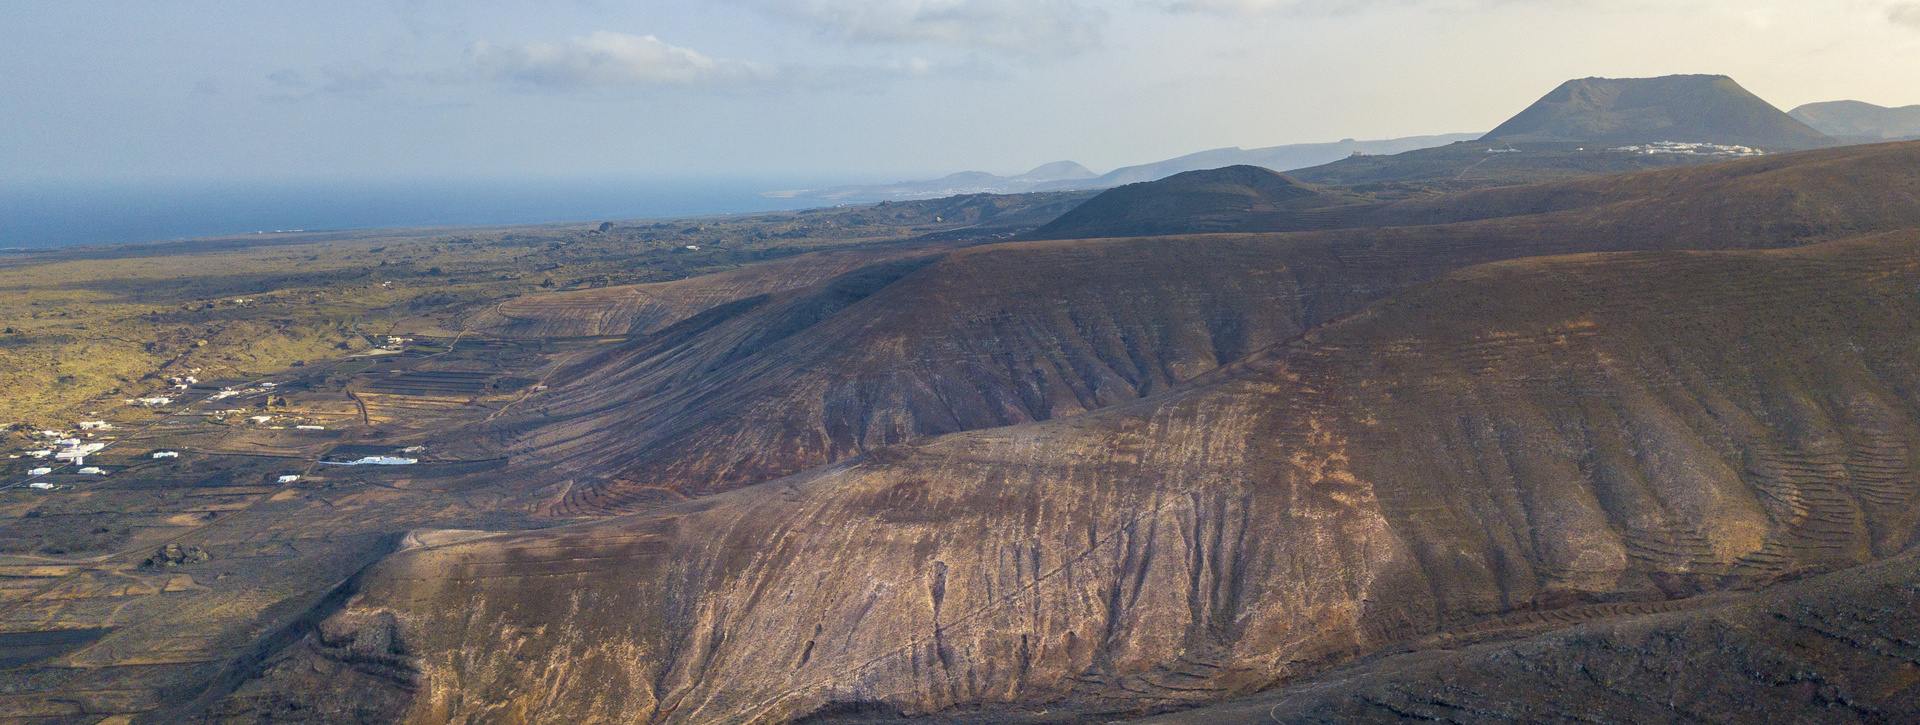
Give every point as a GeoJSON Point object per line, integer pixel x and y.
{"type": "Point", "coordinates": [47, 215]}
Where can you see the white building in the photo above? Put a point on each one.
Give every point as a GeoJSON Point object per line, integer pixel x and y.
{"type": "Point", "coordinates": [289, 478]}
{"type": "Point", "coordinates": [42, 471]}
{"type": "Point", "coordinates": [92, 471]}
{"type": "Point", "coordinates": [166, 454]}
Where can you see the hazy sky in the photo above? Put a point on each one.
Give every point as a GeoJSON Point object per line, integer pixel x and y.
{"type": "Point", "coordinates": [275, 89]}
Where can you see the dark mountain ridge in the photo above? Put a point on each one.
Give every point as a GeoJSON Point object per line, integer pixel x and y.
{"type": "Point", "coordinates": [1573, 132]}
{"type": "Point", "coordinates": [1684, 108]}
{"type": "Point", "coordinates": [1215, 200]}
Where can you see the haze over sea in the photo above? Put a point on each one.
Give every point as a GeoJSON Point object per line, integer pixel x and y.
{"type": "Point", "coordinates": [67, 214]}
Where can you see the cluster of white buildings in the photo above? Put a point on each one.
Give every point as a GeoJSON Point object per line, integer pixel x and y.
{"type": "Point", "coordinates": [375, 461]}
{"type": "Point", "coordinates": [1676, 148]}
{"type": "Point", "coordinates": [76, 452]}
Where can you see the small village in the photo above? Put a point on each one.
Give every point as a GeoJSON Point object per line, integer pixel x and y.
{"type": "Point", "coordinates": [1677, 148]}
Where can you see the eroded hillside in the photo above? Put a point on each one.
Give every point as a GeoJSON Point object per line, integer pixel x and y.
{"type": "Point", "coordinates": [1536, 435]}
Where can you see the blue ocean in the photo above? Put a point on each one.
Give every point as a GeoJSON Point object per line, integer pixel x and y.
{"type": "Point", "coordinates": [66, 214]}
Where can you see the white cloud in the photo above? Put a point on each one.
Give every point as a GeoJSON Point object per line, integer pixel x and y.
{"type": "Point", "coordinates": [1028, 27]}
{"type": "Point", "coordinates": [607, 58]}
{"type": "Point", "coordinates": [1905, 14]}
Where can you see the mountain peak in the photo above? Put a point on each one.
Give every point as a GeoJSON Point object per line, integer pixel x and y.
{"type": "Point", "coordinates": [1689, 108]}
{"type": "Point", "coordinates": [1057, 171]}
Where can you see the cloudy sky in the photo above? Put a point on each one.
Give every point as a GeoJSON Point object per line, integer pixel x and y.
{"type": "Point", "coordinates": [344, 89]}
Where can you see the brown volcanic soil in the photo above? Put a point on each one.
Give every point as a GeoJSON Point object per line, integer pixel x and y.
{"type": "Point", "coordinates": [1834, 649]}
{"type": "Point", "coordinates": [1013, 333]}
{"type": "Point", "coordinates": [1524, 436]}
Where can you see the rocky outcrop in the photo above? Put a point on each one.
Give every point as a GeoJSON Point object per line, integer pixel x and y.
{"type": "Point", "coordinates": [173, 555]}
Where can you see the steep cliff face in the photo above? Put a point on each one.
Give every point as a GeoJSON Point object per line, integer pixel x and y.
{"type": "Point", "coordinates": [1516, 437]}
{"type": "Point", "coordinates": [774, 384]}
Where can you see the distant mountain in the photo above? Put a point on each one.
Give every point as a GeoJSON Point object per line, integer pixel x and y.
{"type": "Point", "coordinates": [965, 182]}
{"type": "Point", "coordinates": [1277, 158]}
{"type": "Point", "coordinates": [1068, 176]}
{"type": "Point", "coordinates": [1194, 202]}
{"type": "Point", "coordinates": [1590, 127]}
{"type": "Point", "coordinates": [1858, 121]}
{"type": "Point", "coordinates": [1691, 108]}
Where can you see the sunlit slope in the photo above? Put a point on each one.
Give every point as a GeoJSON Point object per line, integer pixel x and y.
{"type": "Point", "coordinates": [1528, 435]}
{"type": "Point", "coordinates": [1020, 332]}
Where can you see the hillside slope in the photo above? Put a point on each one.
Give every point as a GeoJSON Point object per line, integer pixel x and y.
{"type": "Point", "coordinates": [1019, 332]}
{"type": "Point", "coordinates": [1535, 435]}
{"type": "Point", "coordinates": [1835, 649]}
{"type": "Point", "coordinates": [1195, 202]}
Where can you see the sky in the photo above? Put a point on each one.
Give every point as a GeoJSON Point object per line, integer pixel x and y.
{"type": "Point", "coordinates": [103, 91]}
